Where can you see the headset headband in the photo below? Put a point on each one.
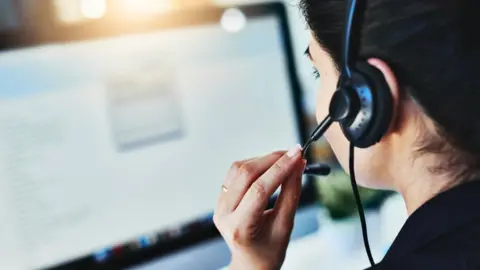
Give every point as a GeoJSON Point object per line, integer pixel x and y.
{"type": "Point", "coordinates": [351, 39]}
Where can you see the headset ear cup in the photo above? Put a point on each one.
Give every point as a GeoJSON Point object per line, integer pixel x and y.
{"type": "Point", "coordinates": [382, 105]}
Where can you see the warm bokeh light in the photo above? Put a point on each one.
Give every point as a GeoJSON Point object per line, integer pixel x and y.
{"type": "Point", "coordinates": [134, 7]}
{"type": "Point", "coordinates": [93, 9]}
{"type": "Point", "coordinates": [233, 20]}
{"type": "Point", "coordinates": [78, 11]}
{"type": "Point", "coordinates": [68, 11]}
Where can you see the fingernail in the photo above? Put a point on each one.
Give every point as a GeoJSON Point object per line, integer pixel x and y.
{"type": "Point", "coordinates": [294, 151]}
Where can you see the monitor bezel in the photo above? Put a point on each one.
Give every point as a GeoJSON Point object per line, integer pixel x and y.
{"type": "Point", "coordinates": [110, 26]}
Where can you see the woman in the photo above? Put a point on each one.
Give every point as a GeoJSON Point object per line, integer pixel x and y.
{"type": "Point", "coordinates": [428, 54]}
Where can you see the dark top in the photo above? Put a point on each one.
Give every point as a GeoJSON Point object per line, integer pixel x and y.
{"type": "Point", "coordinates": [444, 233]}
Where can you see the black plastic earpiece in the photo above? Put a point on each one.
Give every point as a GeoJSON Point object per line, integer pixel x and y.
{"type": "Point", "coordinates": [375, 108]}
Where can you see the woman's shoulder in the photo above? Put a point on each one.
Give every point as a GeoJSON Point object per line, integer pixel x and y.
{"type": "Point", "coordinates": [442, 234]}
{"type": "Point", "coordinates": [439, 261]}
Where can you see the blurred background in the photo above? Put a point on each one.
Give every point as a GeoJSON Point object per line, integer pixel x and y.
{"type": "Point", "coordinates": [104, 102]}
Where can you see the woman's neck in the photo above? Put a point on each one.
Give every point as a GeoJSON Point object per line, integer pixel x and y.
{"type": "Point", "coordinates": [419, 186]}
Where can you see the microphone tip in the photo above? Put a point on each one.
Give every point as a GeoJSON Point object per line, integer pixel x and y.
{"type": "Point", "coordinates": [317, 169]}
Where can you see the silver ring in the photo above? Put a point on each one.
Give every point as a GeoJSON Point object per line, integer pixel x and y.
{"type": "Point", "coordinates": [224, 188]}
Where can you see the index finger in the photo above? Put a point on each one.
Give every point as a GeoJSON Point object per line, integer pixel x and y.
{"type": "Point", "coordinates": [243, 177]}
{"type": "Point", "coordinates": [256, 199]}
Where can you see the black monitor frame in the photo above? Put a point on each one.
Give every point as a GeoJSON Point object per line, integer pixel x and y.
{"type": "Point", "coordinates": [49, 32]}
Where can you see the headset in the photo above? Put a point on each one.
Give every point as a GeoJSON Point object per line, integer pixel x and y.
{"type": "Point", "coordinates": [362, 104]}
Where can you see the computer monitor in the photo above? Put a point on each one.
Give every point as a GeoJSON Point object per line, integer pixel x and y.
{"type": "Point", "coordinates": [115, 136]}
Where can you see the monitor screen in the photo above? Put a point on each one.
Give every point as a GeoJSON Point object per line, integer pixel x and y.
{"type": "Point", "coordinates": [108, 139]}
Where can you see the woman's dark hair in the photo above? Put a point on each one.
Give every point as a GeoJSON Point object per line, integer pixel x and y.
{"type": "Point", "coordinates": [433, 48]}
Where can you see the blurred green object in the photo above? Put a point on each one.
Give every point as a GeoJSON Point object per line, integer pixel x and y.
{"type": "Point", "coordinates": [336, 195]}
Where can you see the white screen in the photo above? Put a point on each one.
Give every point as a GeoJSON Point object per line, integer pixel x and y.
{"type": "Point", "coordinates": [102, 141]}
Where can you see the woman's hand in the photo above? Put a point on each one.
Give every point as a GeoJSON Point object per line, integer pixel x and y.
{"type": "Point", "coordinates": [258, 238]}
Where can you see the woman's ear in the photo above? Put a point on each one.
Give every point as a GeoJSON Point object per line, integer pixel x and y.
{"type": "Point", "coordinates": [393, 84]}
